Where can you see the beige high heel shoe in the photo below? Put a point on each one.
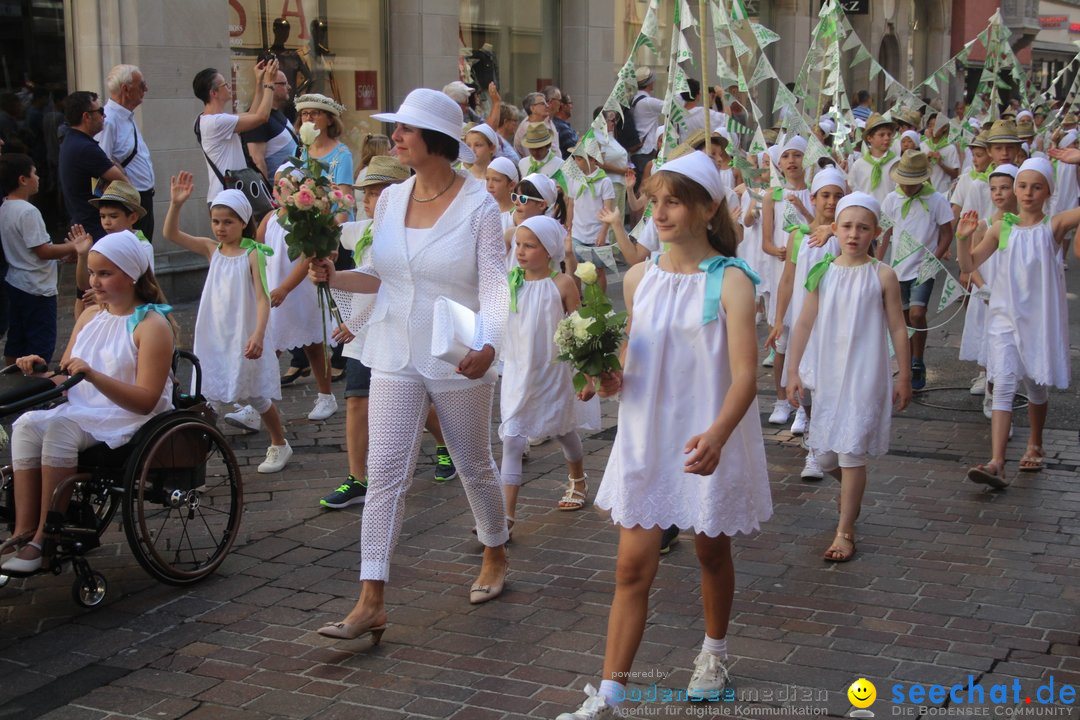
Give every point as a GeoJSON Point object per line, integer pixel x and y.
{"type": "Point", "coordinates": [348, 631]}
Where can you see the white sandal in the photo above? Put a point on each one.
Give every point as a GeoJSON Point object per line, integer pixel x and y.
{"type": "Point", "coordinates": [575, 499]}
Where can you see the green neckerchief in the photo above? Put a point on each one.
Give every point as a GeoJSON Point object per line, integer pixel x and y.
{"type": "Point", "coordinates": [777, 194]}
{"type": "Point", "coordinates": [984, 175]}
{"type": "Point", "coordinates": [714, 282]}
{"type": "Point", "coordinates": [261, 253]}
{"type": "Point", "coordinates": [936, 145]}
{"type": "Point", "coordinates": [142, 236]}
{"type": "Point", "coordinates": [516, 278]}
{"type": "Point", "coordinates": [140, 312]}
{"type": "Point", "coordinates": [801, 230]}
{"type": "Point", "coordinates": [536, 165]}
{"type": "Point", "coordinates": [877, 167]}
{"type": "Point", "coordinates": [366, 238]}
{"type": "Point", "coordinates": [1007, 222]}
{"type": "Point", "coordinates": [590, 182]}
{"type": "Point", "coordinates": [813, 278]}
{"type": "Point", "coordinates": [925, 191]}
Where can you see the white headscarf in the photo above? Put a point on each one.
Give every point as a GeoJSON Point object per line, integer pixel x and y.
{"type": "Point", "coordinates": [550, 233]}
{"type": "Point", "coordinates": [859, 199]}
{"type": "Point", "coordinates": [700, 168]}
{"type": "Point", "coordinates": [912, 136]}
{"type": "Point", "coordinates": [125, 251]}
{"type": "Point", "coordinates": [235, 201]}
{"type": "Point", "coordinates": [506, 166]}
{"type": "Point", "coordinates": [544, 185]}
{"type": "Point", "coordinates": [828, 176]}
{"type": "Point", "coordinates": [487, 131]}
{"type": "Point", "coordinates": [1041, 166]}
{"type": "Point", "coordinates": [794, 142]}
{"type": "Point", "coordinates": [1067, 139]}
{"type": "Point", "coordinates": [1006, 169]}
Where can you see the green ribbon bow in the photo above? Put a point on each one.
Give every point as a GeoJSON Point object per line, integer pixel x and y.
{"type": "Point", "coordinates": [714, 282]}
{"type": "Point", "coordinates": [140, 312]}
{"type": "Point", "coordinates": [516, 278]}
{"type": "Point", "coordinates": [590, 182]}
{"type": "Point", "coordinates": [777, 194]}
{"type": "Point", "coordinates": [1007, 222]}
{"type": "Point", "coordinates": [984, 175]}
{"type": "Point", "coordinates": [813, 278]}
{"type": "Point", "coordinates": [366, 238]}
{"type": "Point", "coordinates": [801, 230]}
{"type": "Point", "coordinates": [262, 251]}
{"type": "Point", "coordinates": [925, 191]}
{"type": "Point", "coordinates": [877, 167]}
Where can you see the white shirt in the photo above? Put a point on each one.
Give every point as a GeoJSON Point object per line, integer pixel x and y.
{"type": "Point", "coordinates": [552, 163]}
{"type": "Point", "coordinates": [614, 154]}
{"type": "Point", "coordinates": [647, 113]}
{"type": "Point", "coordinates": [222, 143]}
{"type": "Point", "coordinates": [117, 140]}
{"type": "Point", "coordinates": [923, 224]}
{"type": "Point", "coordinates": [587, 203]}
{"type": "Point", "coordinates": [859, 178]}
{"type": "Point", "coordinates": [695, 120]}
{"type": "Point", "coordinates": [949, 158]}
{"type": "Point", "coordinates": [22, 229]}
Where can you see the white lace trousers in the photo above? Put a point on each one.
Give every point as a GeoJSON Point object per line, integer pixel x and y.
{"type": "Point", "coordinates": [397, 409]}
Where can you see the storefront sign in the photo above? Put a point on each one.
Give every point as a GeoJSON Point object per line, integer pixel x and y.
{"type": "Point", "coordinates": [1052, 21]}
{"type": "Point", "coordinates": [854, 7]}
{"type": "Point", "coordinates": [367, 90]}
{"type": "Point", "coordinates": [1074, 27]}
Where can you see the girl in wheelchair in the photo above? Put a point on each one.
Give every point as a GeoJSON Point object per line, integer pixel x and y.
{"type": "Point", "coordinates": [123, 346]}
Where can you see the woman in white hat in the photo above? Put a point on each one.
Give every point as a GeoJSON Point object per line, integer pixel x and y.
{"type": "Point", "coordinates": [325, 114]}
{"type": "Point", "coordinates": [436, 234]}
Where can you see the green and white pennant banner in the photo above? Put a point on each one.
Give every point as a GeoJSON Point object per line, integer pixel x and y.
{"type": "Point", "coordinates": [928, 268]}
{"type": "Point", "coordinates": [764, 71]}
{"type": "Point", "coordinates": [951, 291]}
{"type": "Point", "coordinates": [904, 247]}
{"type": "Point", "coordinates": [764, 35]}
{"type": "Point", "coordinates": [650, 28]}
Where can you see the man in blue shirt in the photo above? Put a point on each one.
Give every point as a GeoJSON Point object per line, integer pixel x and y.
{"type": "Point", "coordinates": [862, 109]}
{"type": "Point", "coordinates": [82, 161]}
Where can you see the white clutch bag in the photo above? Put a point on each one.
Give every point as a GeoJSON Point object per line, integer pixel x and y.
{"type": "Point", "coordinates": [453, 331]}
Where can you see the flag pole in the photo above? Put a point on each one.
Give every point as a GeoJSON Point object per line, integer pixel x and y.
{"type": "Point", "coordinates": [702, 18]}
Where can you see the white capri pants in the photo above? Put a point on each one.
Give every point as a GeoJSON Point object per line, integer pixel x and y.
{"type": "Point", "coordinates": [1005, 392]}
{"type": "Point", "coordinates": [830, 461]}
{"type": "Point", "coordinates": [54, 442]}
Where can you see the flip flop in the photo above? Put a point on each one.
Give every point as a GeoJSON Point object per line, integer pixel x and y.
{"type": "Point", "coordinates": [981, 474]}
{"type": "Point", "coordinates": [1034, 458]}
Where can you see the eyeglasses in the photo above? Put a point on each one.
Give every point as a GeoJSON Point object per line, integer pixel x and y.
{"type": "Point", "coordinates": [99, 110]}
{"type": "Point", "coordinates": [310, 113]}
{"type": "Point", "coordinates": [519, 199]}
{"type": "Point", "coordinates": [540, 102]}
{"type": "Point", "coordinates": [282, 82]}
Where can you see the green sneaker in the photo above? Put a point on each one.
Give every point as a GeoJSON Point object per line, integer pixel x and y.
{"type": "Point", "coordinates": [444, 465]}
{"type": "Point", "coordinates": [350, 492]}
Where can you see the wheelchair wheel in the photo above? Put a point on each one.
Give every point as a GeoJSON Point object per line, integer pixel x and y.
{"type": "Point", "coordinates": [89, 592]}
{"type": "Point", "coordinates": [183, 501]}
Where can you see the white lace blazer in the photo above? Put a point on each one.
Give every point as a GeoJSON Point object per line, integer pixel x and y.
{"type": "Point", "coordinates": [463, 260]}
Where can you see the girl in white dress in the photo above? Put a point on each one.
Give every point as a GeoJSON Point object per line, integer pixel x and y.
{"type": "Point", "coordinates": [977, 315]}
{"type": "Point", "coordinates": [851, 303]}
{"type": "Point", "coordinates": [537, 397]}
{"type": "Point", "coordinates": [806, 251]}
{"type": "Point", "coordinates": [1028, 331]}
{"type": "Point", "coordinates": [502, 178]}
{"type": "Point", "coordinates": [703, 467]}
{"type": "Point", "coordinates": [123, 345]}
{"type": "Point", "coordinates": [535, 195]}
{"type": "Point", "coordinates": [782, 209]}
{"type": "Point", "coordinates": [234, 311]}
{"type": "Point", "coordinates": [750, 247]}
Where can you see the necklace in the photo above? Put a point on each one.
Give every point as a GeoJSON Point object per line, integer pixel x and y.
{"type": "Point", "coordinates": [436, 196]}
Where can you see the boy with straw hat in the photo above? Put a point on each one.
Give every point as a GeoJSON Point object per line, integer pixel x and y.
{"type": "Point", "coordinates": [924, 214]}
{"type": "Point", "coordinates": [972, 191]}
{"type": "Point", "coordinates": [870, 173]}
{"type": "Point", "coordinates": [542, 157]}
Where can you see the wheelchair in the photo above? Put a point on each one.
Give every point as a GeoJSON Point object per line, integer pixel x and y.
{"type": "Point", "coordinates": [176, 484]}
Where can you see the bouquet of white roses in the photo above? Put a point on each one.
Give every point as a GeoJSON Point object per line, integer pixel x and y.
{"type": "Point", "coordinates": [590, 337]}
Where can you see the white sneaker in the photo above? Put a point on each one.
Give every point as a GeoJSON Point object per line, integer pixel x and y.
{"type": "Point", "coordinates": [978, 384]}
{"type": "Point", "coordinates": [801, 421]}
{"type": "Point", "coordinates": [245, 418]}
{"type": "Point", "coordinates": [988, 406]}
{"type": "Point", "coordinates": [769, 359]}
{"type": "Point", "coordinates": [277, 457]}
{"type": "Point", "coordinates": [781, 411]}
{"type": "Point", "coordinates": [710, 677]}
{"type": "Point", "coordinates": [811, 470]}
{"type": "Point", "coordinates": [594, 708]}
{"type": "Point", "coordinates": [325, 406]}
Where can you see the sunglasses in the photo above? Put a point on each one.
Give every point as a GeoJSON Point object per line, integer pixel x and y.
{"type": "Point", "coordinates": [519, 199]}
{"type": "Point", "coordinates": [100, 110]}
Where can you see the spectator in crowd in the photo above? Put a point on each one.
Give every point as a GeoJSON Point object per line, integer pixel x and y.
{"type": "Point", "coordinates": [614, 163]}
{"type": "Point", "coordinates": [568, 138]}
{"type": "Point", "coordinates": [646, 110]}
{"type": "Point", "coordinates": [10, 112]}
{"type": "Point", "coordinates": [537, 110]}
{"type": "Point", "coordinates": [695, 113]}
{"type": "Point", "coordinates": [462, 94]}
{"type": "Point", "coordinates": [273, 142]}
{"type": "Point", "coordinates": [122, 142]}
{"type": "Point", "coordinates": [862, 107]}
{"type": "Point", "coordinates": [219, 131]}
{"type": "Point", "coordinates": [30, 281]}
{"type": "Point", "coordinates": [83, 162]}
{"type": "Point", "coordinates": [506, 127]}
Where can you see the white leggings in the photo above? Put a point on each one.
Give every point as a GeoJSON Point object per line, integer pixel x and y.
{"type": "Point", "coordinates": [1005, 390]}
{"type": "Point", "coordinates": [829, 460]}
{"type": "Point", "coordinates": [397, 409]}
{"type": "Point", "coordinates": [53, 443]}
{"type": "Point", "coordinates": [514, 448]}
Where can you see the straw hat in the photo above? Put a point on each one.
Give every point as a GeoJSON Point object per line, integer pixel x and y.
{"type": "Point", "coordinates": [537, 136]}
{"type": "Point", "coordinates": [696, 139]}
{"type": "Point", "coordinates": [1003, 132]}
{"type": "Point", "coordinates": [912, 169]}
{"type": "Point", "coordinates": [1069, 119]}
{"type": "Point", "coordinates": [644, 77]}
{"type": "Point", "coordinates": [908, 117]}
{"type": "Point", "coordinates": [121, 192]}
{"type": "Point", "coordinates": [315, 101]}
{"type": "Point", "coordinates": [383, 170]}
{"type": "Point", "coordinates": [979, 140]}
{"type": "Point", "coordinates": [875, 121]}
{"type": "Point", "coordinates": [1025, 129]}
{"type": "Point", "coordinates": [770, 135]}
{"type": "Point", "coordinates": [1008, 113]}
{"type": "Point", "coordinates": [429, 109]}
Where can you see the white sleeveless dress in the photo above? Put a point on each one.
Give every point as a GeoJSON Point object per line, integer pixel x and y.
{"type": "Point", "coordinates": [1028, 332]}
{"type": "Point", "coordinates": [772, 267]}
{"type": "Point", "coordinates": [106, 344]}
{"type": "Point", "coordinates": [750, 247]}
{"type": "Point", "coordinates": [537, 397]}
{"type": "Point", "coordinates": [977, 316]}
{"type": "Point", "coordinates": [294, 323]}
{"type": "Point", "coordinates": [227, 317]}
{"type": "Point", "coordinates": [846, 364]}
{"type": "Point", "coordinates": [676, 377]}
{"type": "Point", "coordinates": [806, 257]}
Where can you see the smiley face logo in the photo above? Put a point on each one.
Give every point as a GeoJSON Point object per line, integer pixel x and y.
{"type": "Point", "coordinates": [862, 693]}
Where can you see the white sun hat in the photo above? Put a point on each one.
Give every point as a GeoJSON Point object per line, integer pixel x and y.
{"type": "Point", "coordinates": [429, 109]}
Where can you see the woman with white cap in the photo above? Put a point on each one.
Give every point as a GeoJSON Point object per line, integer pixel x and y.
{"type": "Point", "coordinates": [692, 351]}
{"type": "Point", "coordinates": [483, 141]}
{"type": "Point", "coordinates": [234, 312]}
{"type": "Point", "coordinates": [123, 346]}
{"type": "Point", "coordinates": [436, 234]}
{"type": "Point", "coordinates": [1028, 331]}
